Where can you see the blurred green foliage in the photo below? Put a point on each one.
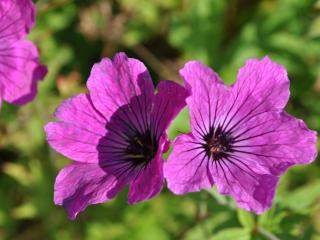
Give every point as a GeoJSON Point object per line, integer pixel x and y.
{"type": "Point", "coordinates": [74, 34]}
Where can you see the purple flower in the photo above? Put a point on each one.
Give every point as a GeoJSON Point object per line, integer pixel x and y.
{"type": "Point", "coordinates": [241, 139]}
{"type": "Point", "coordinates": [19, 59]}
{"type": "Point", "coordinates": [116, 134]}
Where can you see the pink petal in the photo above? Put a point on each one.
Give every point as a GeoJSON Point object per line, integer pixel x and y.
{"type": "Point", "coordinates": [81, 184]}
{"type": "Point", "coordinates": [19, 71]}
{"type": "Point", "coordinates": [113, 83]}
{"type": "Point", "coordinates": [275, 141]}
{"type": "Point", "coordinates": [208, 101]}
{"type": "Point", "coordinates": [169, 101]}
{"type": "Point", "coordinates": [187, 168]}
{"type": "Point", "coordinates": [264, 81]}
{"type": "Point", "coordinates": [148, 182]}
{"type": "Point", "coordinates": [79, 131]}
{"type": "Point", "coordinates": [253, 190]}
{"type": "Point", "coordinates": [261, 86]}
{"type": "Point", "coordinates": [1, 95]}
{"type": "Point", "coordinates": [17, 17]}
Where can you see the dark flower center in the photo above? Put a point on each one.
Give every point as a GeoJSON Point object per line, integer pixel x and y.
{"type": "Point", "coordinates": [142, 148]}
{"type": "Point", "coordinates": [218, 144]}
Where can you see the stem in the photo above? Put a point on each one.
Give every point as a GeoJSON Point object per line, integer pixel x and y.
{"type": "Point", "coordinates": [201, 215]}
{"type": "Point", "coordinates": [268, 235]}
{"type": "Point", "coordinates": [221, 200]}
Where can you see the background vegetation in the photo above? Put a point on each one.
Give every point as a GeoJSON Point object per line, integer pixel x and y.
{"type": "Point", "coordinates": [74, 34]}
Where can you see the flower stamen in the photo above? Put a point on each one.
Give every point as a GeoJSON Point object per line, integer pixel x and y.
{"type": "Point", "coordinates": [142, 148]}
{"type": "Point", "coordinates": [218, 144]}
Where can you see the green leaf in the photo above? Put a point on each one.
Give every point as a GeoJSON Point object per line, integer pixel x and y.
{"type": "Point", "coordinates": [302, 198]}
{"type": "Point", "coordinates": [232, 234]}
{"type": "Point", "coordinates": [246, 219]}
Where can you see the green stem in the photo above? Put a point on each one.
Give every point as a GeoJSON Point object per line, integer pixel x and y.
{"type": "Point", "coordinates": [268, 235]}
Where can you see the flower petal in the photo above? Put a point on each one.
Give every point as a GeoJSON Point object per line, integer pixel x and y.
{"type": "Point", "coordinates": [262, 141]}
{"type": "Point", "coordinates": [253, 190]}
{"type": "Point", "coordinates": [208, 96]}
{"type": "Point", "coordinates": [275, 141]}
{"type": "Point", "coordinates": [79, 130]}
{"type": "Point", "coordinates": [19, 71]}
{"type": "Point", "coordinates": [265, 81]}
{"type": "Point", "coordinates": [17, 18]}
{"type": "Point", "coordinates": [261, 86]}
{"type": "Point", "coordinates": [113, 84]}
{"type": "Point", "coordinates": [148, 182]}
{"type": "Point", "coordinates": [169, 101]}
{"type": "Point", "coordinates": [1, 95]}
{"type": "Point", "coordinates": [81, 184]}
{"type": "Point", "coordinates": [187, 168]}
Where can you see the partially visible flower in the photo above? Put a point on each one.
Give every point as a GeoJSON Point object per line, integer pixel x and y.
{"type": "Point", "coordinates": [241, 139]}
{"type": "Point", "coordinates": [116, 134]}
{"type": "Point", "coordinates": [19, 59]}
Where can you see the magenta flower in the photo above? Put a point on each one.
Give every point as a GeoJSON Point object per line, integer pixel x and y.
{"type": "Point", "coordinates": [241, 139]}
{"type": "Point", "coordinates": [116, 134]}
{"type": "Point", "coordinates": [19, 59]}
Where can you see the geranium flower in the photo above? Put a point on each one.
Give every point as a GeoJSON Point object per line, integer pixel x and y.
{"type": "Point", "coordinates": [241, 139]}
{"type": "Point", "coordinates": [19, 59]}
{"type": "Point", "coordinates": [116, 134]}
